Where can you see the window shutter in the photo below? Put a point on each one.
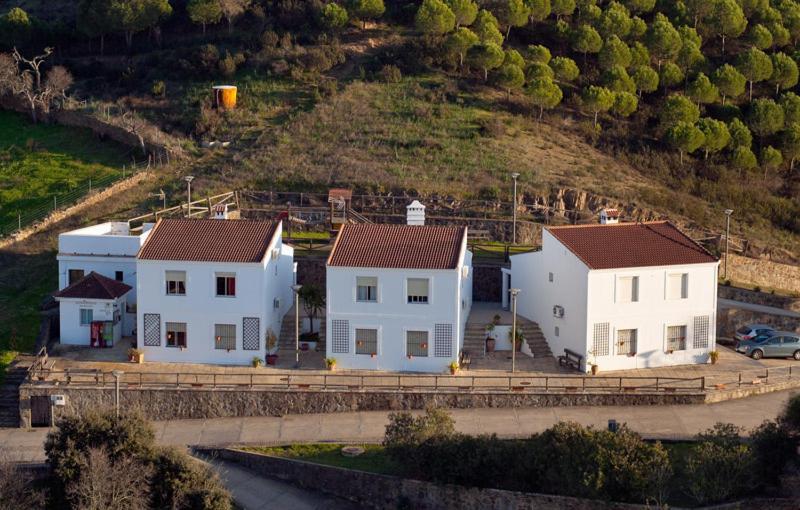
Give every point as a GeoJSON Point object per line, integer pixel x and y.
{"type": "Point", "coordinates": [684, 285]}
{"type": "Point", "coordinates": [635, 288]}
{"type": "Point", "coordinates": [417, 287]}
{"type": "Point", "coordinates": [176, 276]}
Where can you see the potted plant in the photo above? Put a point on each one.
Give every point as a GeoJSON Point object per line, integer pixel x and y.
{"type": "Point", "coordinates": [313, 299]}
{"type": "Point", "coordinates": [713, 356]}
{"type": "Point", "coordinates": [520, 337]}
{"type": "Point", "coordinates": [491, 341]}
{"type": "Point", "coordinates": [256, 362]}
{"type": "Point", "coordinates": [496, 319]}
{"type": "Point", "coordinates": [330, 363]}
{"type": "Point", "coordinates": [592, 362]}
{"type": "Point", "coordinates": [135, 356]}
{"type": "Point", "coordinates": [272, 343]}
{"type": "Point", "coordinates": [453, 366]}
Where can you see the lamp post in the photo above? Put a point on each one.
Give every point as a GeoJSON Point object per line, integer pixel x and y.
{"type": "Point", "coordinates": [188, 179]}
{"type": "Point", "coordinates": [728, 213]}
{"type": "Point", "coordinates": [296, 288]}
{"type": "Point", "coordinates": [514, 293]}
{"type": "Point", "coordinates": [514, 210]}
{"type": "Point", "coordinates": [117, 374]}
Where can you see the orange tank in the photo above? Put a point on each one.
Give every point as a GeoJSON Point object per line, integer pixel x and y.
{"type": "Point", "coordinates": [225, 96]}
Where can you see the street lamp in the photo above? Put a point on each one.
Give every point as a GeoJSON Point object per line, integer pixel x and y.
{"type": "Point", "coordinates": [117, 374]}
{"type": "Point", "coordinates": [188, 179]}
{"type": "Point", "coordinates": [514, 206]}
{"type": "Point", "coordinates": [728, 213]}
{"type": "Point", "coordinates": [296, 288]}
{"type": "Point", "coordinates": [514, 293]}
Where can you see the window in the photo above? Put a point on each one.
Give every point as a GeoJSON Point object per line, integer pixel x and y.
{"type": "Point", "coordinates": [86, 316]}
{"type": "Point", "coordinates": [550, 277]}
{"type": "Point", "coordinates": [600, 339]}
{"type": "Point", "coordinates": [700, 331]}
{"type": "Point", "coordinates": [73, 275]}
{"type": "Point", "coordinates": [250, 334]}
{"type": "Point", "coordinates": [678, 286]}
{"type": "Point", "coordinates": [176, 283]}
{"type": "Point", "coordinates": [225, 336]}
{"type": "Point", "coordinates": [628, 289]}
{"type": "Point", "coordinates": [340, 336]}
{"type": "Point", "coordinates": [176, 334]}
{"type": "Point", "coordinates": [118, 276]}
{"type": "Point", "coordinates": [443, 340]}
{"type": "Point", "coordinates": [417, 290]}
{"type": "Point", "coordinates": [417, 343]}
{"type": "Point", "coordinates": [367, 289]}
{"type": "Point", "coordinates": [626, 342]}
{"type": "Point", "coordinates": [557, 331]}
{"type": "Point", "coordinates": [366, 341]}
{"type": "Point", "coordinates": [226, 284]}
{"type": "Point", "coordinates": [676, 338]}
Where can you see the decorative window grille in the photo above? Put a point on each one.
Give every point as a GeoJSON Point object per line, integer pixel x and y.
{"type": "Point", "coordinates": [626, 342]}
{"type": "Point", "coordinates": [152, 330]}
{"type": "Point", "coordinates": [676, 338]}
{"type": "Point", "coordinates": [225, 336]}
{"type": "Point", "coordinates": [366, 341]}
{"type": "Point", "coordinates": [250, 334]}
{"type": "Point", "coordinates": [340, 336]}
{"type": "Point", "coordinates": [417, 343]}
{"type": "Point", "coordinates": [700, 340]}
{"type": "Point", "coordinates": [443, 340]}
{"type": "Point", "coordinates": [600, 339]}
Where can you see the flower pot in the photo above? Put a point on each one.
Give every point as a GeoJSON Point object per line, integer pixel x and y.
{"type": "Point", "coordinates": [453, 371]}
{"type": "Point", "coordinates": [490, 344]}
{"type": "Point", "coordinates": [595, 369]}
{"type": "Point", "coordinates": [332, 367]}
{"type": "Point", "coordinates": [139, 358]}
{"type": "Point", "coordinates": [272, 359]}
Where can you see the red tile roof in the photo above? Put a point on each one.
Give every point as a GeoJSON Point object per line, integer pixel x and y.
{"type": "Point", "coordinates": [657, 243]}
{"type": "Point", "coordinates": [398, 246]}
{"type": "Point", "coordinates": [209, 240]}
{"type": "Point", "coordinates": [94, 286]}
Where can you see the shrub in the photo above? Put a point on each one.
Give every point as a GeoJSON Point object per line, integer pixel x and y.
{"type": "Point", "coordinates": [159, 88]}
{"type": "Point", "coordinates": [180, 482]}
{"type": "Point", "coordinates": [17, 489]}
{"type": "Point", "coordinates": [206, 59]}
{"type": "Point", "coordinates": [773, 448]}
{"type": "Point", "coordinates": [227, 66]}
{"type": "Point", "coordinates": [405, 433]}
{"type": "Point", "coordinates": [390, 74]}
{"type": "Point", "coordinates": [716, 472]}
{"type": "Point", "coordinates": [790, 418]}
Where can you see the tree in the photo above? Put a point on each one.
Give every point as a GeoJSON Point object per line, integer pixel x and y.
{"type": "Point", "coordinates": [485, 56]}
{"type": "Point", "coordinates": [685, 137]}
{"type": "Point", "coordinates": [562, 7]}
{"type": "Point", "coordinates": [690, 35]}
{"type": "Point", "coordinates": [313, 299]}
{"type": "Point", "coordinates": [512, 56]}
{"type": "Point", "coordinates": [780, 35]}
{"type": "Point", "coordinates": [702, 91]}
{"type": "Point", "coordinates": [565, 69]}
{"type": "Point", "coordinates": [790, 104]}
{"type": "Point", "coordinates": [233, 10]}
{"type": "Point", "coordinates": [715, 133]}
{"type": "Point", "coordinates": [640, 56]}
{"type": "Point", "coordinates": [537, 70]}
{"type": "Point", "coordinates": [663, 41]}
{"type": "Point", "coordinates": [434, 17]}
{"type": "Point", "coordinates": [689, 57]}
{"type": "Point", "coordinates": [755, 65]}
{"type": "Point", "coordinates": [670, 75]}
{"type": "Point", "coordinates": [204, 12]}
{"type": "Point", "coordinates": [625, 104]}
{"type": "Point", "coordinates": [365, 10]}
{"type": "Point", "coordinates": [512, 13]}
{"type": "Point", "coordinates": [585, 39]}
{"type": "Point", "coordinates": [729, 81]}
{"type": "Point", "coordinates": [614, 53]}
{"type": "Point", "coordinates": [771, 159]}
{"type": "Point", "coordinates": [765, 117]}
{"type": "Point", "coordinates": [538, 53]}
{"type": "Point", "coordinates": [615, 20]}
{"type": "Point", "coordinates": [544, 93]}
{"type": "Point", "coordinates": [646, 79]}
{"type": "Point", "coordinates": [333, 17]}
{"type": "Point", "coordinates": [759, 36]}
{"type": "Point", "coordinates": [740, 134]}
{"type": "Point", "coordinates": [509, 77]}
{"type": "Point", "coordinates": [17, 489]}
{"type": "Point", "coordinates": [743, 158]}
{"type": "Point", "coordinates": [16, 26]}
{"type": "Point", "coordinates": [784, 72]}
{"type": "Point", "coordinates": [618, 80]}
{"type": "Point", "coordinates": [459, 43]}
{"type": "Point", "coordinates": [94, 20]}
{"type": "Point", "coordinates": [677, 109]}
{"type": "Point", "coordinates": [790, 12]}
{"type": "Point", "coordinates": [121, 482]}
{"type": "Point", "coordinates": [487, 28]}
{"type": "Point", "coordinates": [638, 28]}
{"type": "Point", "coordinates": [597, 99]}
{"type": "Point", "coordinates": [465, 11]}
{"type": "Point", "coordinates": [640, 6]}
{"type": "Point", "coordinates": [698, 9]}
{"type": "Point", "coordinates": [540, 9]}
{"type": "Point", "coordinates": [133, 16]}
{"type": "Point", "coordinates": [727, 20]}
{"type": "Point", "coordinates": [790, 143]}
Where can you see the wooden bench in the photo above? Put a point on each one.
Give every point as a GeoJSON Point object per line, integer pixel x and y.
{"type": "Point", "coordinates": [464, 360]}
{"type": "Point", "coordinates": [87, 372]}
{"type": "Point", "coordinates": [570, 359]}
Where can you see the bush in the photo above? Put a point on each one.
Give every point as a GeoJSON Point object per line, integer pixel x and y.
{"type": "Point", "coordinates": [716, 472]}
{"type": "Point", "coordinates": [206, 59]}
{"type": "Point", "coordinates": [390, 74]}
{"type": "Point", "coordinates": [773, 448]}
{"type": "Point", "coordinates": [180, 482]}
{"type": "Point", "coordinates": [227, 66]}
{"type": "Point", "coordinates": [159, 88]}
{"type": "Point", "coordinates": [405, 433]}
{"type": "Point", "coordinates": [17, 488]}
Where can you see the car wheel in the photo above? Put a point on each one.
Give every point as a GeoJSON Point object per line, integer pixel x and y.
{"type": "Point", "coordinates": [796, 355]}
{"type": "Point", "coordinates": [757, 354]}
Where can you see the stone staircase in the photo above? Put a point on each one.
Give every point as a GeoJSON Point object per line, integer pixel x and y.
{"type": "Point", "coordinates": [286, 337]}
{"type": "Point", "coordinates": [475, 338]}
{"type": "Point", "coordinates": [9, 393]}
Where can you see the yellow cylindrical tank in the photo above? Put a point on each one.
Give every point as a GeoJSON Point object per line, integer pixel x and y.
{"type": "Point", "coordinates": [225, 96]}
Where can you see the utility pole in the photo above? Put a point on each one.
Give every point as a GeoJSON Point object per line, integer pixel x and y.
{"type": "Point", "coordinates": [514, 293]}
{"type": "Point", "coordinates": [728, 213]}
{"type": "Point", "coordinates": [188, 179]}
{"type": "Point", "coordinates": [514, 210]}
{"type": "Point", "coordinates": [117, 374]}
{"type": "Point", "coordinates": [296, 288]}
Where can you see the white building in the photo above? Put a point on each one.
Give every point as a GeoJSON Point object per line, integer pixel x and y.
{"type": "Point", "coordinates": [92, 311]}
{"type": "Point", "coordinates": [398, 296]}
{"type": "Point", "coordinates": [210, 290]}
{"type": "Point", "coordinates": [627, 295]}
{"type": "Point", "coordinates": [108, 249]}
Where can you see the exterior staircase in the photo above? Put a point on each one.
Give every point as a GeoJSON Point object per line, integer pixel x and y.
{"type": "Point", "coordinates": [9, 393]}
{"type": "Point", "coordinates": [475, 338]}
{"type": "Point", "coordinates": [286, 337]}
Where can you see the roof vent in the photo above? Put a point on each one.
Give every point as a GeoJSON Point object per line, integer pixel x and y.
{"type": "Point", "coordinates": [415, 213]}
{"type": "Point", "coordinates": [609, 216]}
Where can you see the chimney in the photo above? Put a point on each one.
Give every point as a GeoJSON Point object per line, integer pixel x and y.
{"type": "Point", "coordinates": [609, 216]}
{"type": "Point", "coordinates": [220, 212]}
{"type": "Point", "coordinates": [415, 213]}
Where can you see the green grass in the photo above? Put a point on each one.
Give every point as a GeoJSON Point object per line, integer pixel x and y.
{"type": "Point", "coordinates": [373, 460]}
{"type": "Point", "coordinates": [40, 160]}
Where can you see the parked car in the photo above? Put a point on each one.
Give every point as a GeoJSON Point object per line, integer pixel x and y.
{"type": "Point", "coordinates": [781, 344]}
{"type": "Point", "coordinates": [750, 331]}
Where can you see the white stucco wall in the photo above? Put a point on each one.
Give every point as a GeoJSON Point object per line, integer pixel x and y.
{"type": "Point", "coordinates": [71, 330]}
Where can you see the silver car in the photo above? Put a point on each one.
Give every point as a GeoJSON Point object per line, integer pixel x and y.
{"type": "Point", "coordinates": [750, 331]}
{"type": "Point", "coordinates": [781, 344]}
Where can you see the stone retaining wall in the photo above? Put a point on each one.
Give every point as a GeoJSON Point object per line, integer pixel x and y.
{"type": "Point", "coordinates": [202, 403]}
{"type": "Point", "coordinates": [759, 298]}
{"type": "Point", "coordinates": [765, 273]}
{"type": "Point", "coordinates": [731, 319]}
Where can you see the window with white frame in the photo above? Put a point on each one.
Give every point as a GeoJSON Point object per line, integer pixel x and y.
{"type": "Point", "coordinates": [226, 284]}
{"type": "Point", "coordinates": [366, 341]}
{"type": "Point", "coordinates": [176, 283]}
{"type": "Point", "coordinates": [367, 289]}
{"type": "Point", "coordinates": [676, 338]}
{"type": "Point", "coordinates": [417, 343]}
{"type": "Point", "coordinates": [176, 334]}
{"type": "Point", "coordinates": [225, 336]}
{"type": "Point", "coordinates": [86, 316]}
{"type": "Point", "coordinates": [627, 289]}
{"type": "Point", "coordinates": [417, 290]}
{"type": "Point", "coordinates": [626, 342]}
{"type": "Point", "coordinates": [678, 286]}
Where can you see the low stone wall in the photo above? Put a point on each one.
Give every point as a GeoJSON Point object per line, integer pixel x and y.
{"type": "Point", "coordinates": [201, 403]}
{"type": "Point", "coordinates": [765, 273]}
{"type": "Point", "coordinates": [759, 298]}
{"type": "Point", "coordinates": [731, 319]}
